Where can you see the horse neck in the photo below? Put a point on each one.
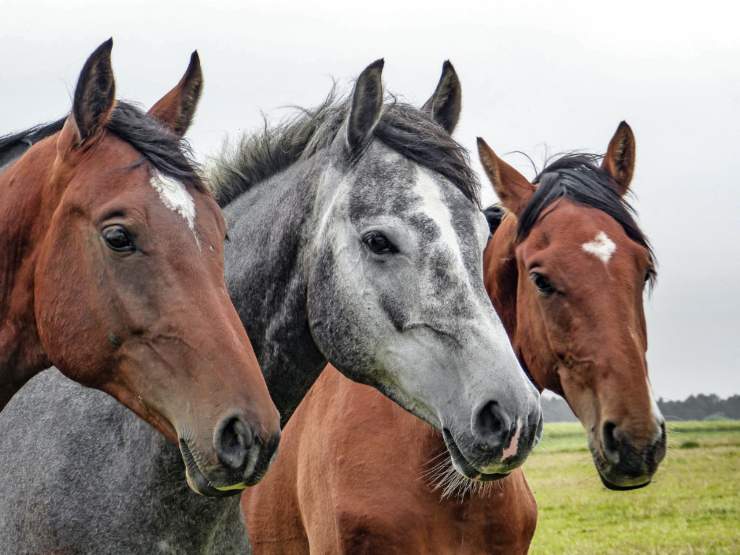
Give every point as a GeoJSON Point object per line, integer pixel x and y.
{"type": "Point", "coordinates": [25, 211]}
{"type": "Point", "coordinates": [502, 284]}
{"type": "Point", "coordinates": [266, 272]}
{"type": "Point", "coordinates": [11, 155]}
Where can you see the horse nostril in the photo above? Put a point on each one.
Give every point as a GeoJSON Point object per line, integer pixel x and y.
{"type": "Point", "coordinates": [233, 441]}
{"type": "Point", "coordinates": [611, 444]}
{"type": "Point", "coordinates": [491, 425]}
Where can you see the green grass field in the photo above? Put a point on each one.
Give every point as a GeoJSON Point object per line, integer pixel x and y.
{"type": "Point", "coordinates": [692, 506]}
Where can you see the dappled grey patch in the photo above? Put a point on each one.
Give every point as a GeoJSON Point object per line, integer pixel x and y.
{"type": "Point", "coordinates": [382, 187]}
{"type": "Point", "coordinates": [87, 475]}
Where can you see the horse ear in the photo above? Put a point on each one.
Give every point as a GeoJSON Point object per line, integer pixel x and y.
{"type": "Point", "coordinates": [494, 216]}
{"type": "Point", "coordinates": [94, 94]}
{"type": "Point", "coordinates": [177, 108]}
{"type": "Point", "coordinates": [445, 103]}
{"type": "Point", "coordinates": [511, 187]}
{"type": "Point", "coordinates": [367, 104]}
{"type": "Point", "coordinates": [619, 160]}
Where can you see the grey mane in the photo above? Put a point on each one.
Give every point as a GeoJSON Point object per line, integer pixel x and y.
{"type": "Point", "coordinates": [402, 127]}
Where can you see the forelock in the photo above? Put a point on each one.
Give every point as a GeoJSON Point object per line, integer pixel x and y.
{"type": "Point", "coordinates": [579, 178]}
{"type": "Point", "coordinates": [168, 153]}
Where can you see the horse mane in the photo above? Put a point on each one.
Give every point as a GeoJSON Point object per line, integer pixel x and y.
{"type": "Point", "coordinates": [165, 151]}
{"type": "Point", "coordinates": [402, 127]}
{"type": "Point", "coordinates": [579, 178]}
{"type": "Point", "coordinates": [494, 214]}
{"type": "Point", "coordinates": [31, 136]}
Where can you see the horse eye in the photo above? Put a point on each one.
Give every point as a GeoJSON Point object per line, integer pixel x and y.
{"type": "Point", "coordinates": [542, 284]}
{"type": "Point", "coordinates": [118, 239]}
{"type": "Point", "coordinates": [378, 243]}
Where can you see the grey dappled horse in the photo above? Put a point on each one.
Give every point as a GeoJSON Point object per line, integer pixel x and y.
{"type": "Point", "coordinates": [356, 238]}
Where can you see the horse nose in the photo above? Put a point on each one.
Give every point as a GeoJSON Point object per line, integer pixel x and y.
{"type": "Point", "coordinates": [232, 441]}
{"type": "Point", "coordinates": [621, 451]}
{"type": "Point", "coordinates": [491, 425]}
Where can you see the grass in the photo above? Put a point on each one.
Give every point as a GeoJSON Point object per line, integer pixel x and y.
{"type": "Point", "coordinates": [692, 506]}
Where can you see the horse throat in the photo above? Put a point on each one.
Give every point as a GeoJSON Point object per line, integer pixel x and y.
{"type": "Point", "coordinates": [23, 220]}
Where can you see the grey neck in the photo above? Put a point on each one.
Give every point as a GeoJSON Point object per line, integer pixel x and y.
{"type": "Point", "coordinates": [99, 474]}
{"type": "Point", "coordinates": [266, 272]}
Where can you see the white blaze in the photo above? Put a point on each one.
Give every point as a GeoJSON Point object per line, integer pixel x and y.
{"type": "Point", "coordinates": [436, 208]}
{"type": "Point", "coordinates": [601, 247]}
{"type": "Point", "coordinates": [175, 196]}
{"type": "Point", "coordinates": [513, 447]}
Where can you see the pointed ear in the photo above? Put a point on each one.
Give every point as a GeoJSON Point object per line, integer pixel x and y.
{"type": "Point", "coordinates": [177, 108]}
{"type": "Point", "coordinates": [511, 187]}
{"type": "Point", "coordinates": [619, 159]}
{"type": "Point", "coordinates": [445, 103]}
{"type": "Point", "coordinates": [95, 94]}
{"type": "Point", "coordinates": [367, 104]}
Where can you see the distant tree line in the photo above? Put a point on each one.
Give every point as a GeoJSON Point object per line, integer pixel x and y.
{"type": "Point", "coordinates": [694, 407]}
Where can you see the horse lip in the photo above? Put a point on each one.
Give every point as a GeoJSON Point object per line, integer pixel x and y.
{"type": "Point", "coordinates": [600, 462]}
{"type": "Point", "coordinates": [462, 465]}
{"type": "Point", "coordinates": [267, 454]}
{"type": "Point", "coordinates": [616, 487]}
{"type": "Point", "coordinates": [198, 481]}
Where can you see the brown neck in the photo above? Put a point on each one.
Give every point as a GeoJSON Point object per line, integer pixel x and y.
{"type": "Point", "coordinates": [24, 217]}
{"type": "Point", "coordinates": [501, 275]}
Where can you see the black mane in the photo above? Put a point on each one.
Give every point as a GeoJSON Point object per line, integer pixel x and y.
{"type": "Point", "coordinates": [31, 136]}
{"type": "Point", "coordinates": [579, 178]}
{"type": "Point", "coordinates": [402, 127]}
{"type": "Point", "coordinates": [165, 151]}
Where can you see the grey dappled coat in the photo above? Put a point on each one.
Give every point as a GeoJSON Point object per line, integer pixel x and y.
{"type": "Point", "coordinates": [68, 481]}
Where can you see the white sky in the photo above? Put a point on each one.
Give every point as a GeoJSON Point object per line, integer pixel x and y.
{"type": "Point", "coordinates": [536, 76]}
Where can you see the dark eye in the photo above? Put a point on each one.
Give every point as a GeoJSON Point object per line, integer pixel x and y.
{"type": "Point", "coordinates": [118, 239]}
{"type": "Point", "coordinates": [543, 285]}
{"type": "Point", "coordinates": [378, 243]}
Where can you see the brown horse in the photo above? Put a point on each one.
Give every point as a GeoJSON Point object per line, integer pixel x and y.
{"type": "Point", "coordinates": [111, 269]}
{"type": "Point", "coordinates": [581, 264]}
{"type": "Point", "coordinates": [566, 271]}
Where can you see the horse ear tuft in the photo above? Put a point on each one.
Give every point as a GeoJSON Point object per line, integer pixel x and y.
{"type": "Point", "coordinates": [446, 102]}
{"type": "Point", "coordinates": [176, 109]}
{"type": "Point", "coordinates": [619, 160]}
{"type": "Point", "coordinates": [366, 107]}
{"type": "Point", "coordinates": [95, 93]}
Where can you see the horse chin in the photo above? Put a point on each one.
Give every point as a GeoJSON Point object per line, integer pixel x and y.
{"type": "Point", "coordinates": [197, 480]}
{"type": "Point", "coordinates": [463, 467]}
{"type": "Point", "coordinates": [611, 480]}
{"type": "Point", "coordinates": [624, 486]}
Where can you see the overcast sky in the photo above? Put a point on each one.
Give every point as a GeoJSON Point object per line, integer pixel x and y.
{"type": "Point", "coordinates": [536, 76]}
